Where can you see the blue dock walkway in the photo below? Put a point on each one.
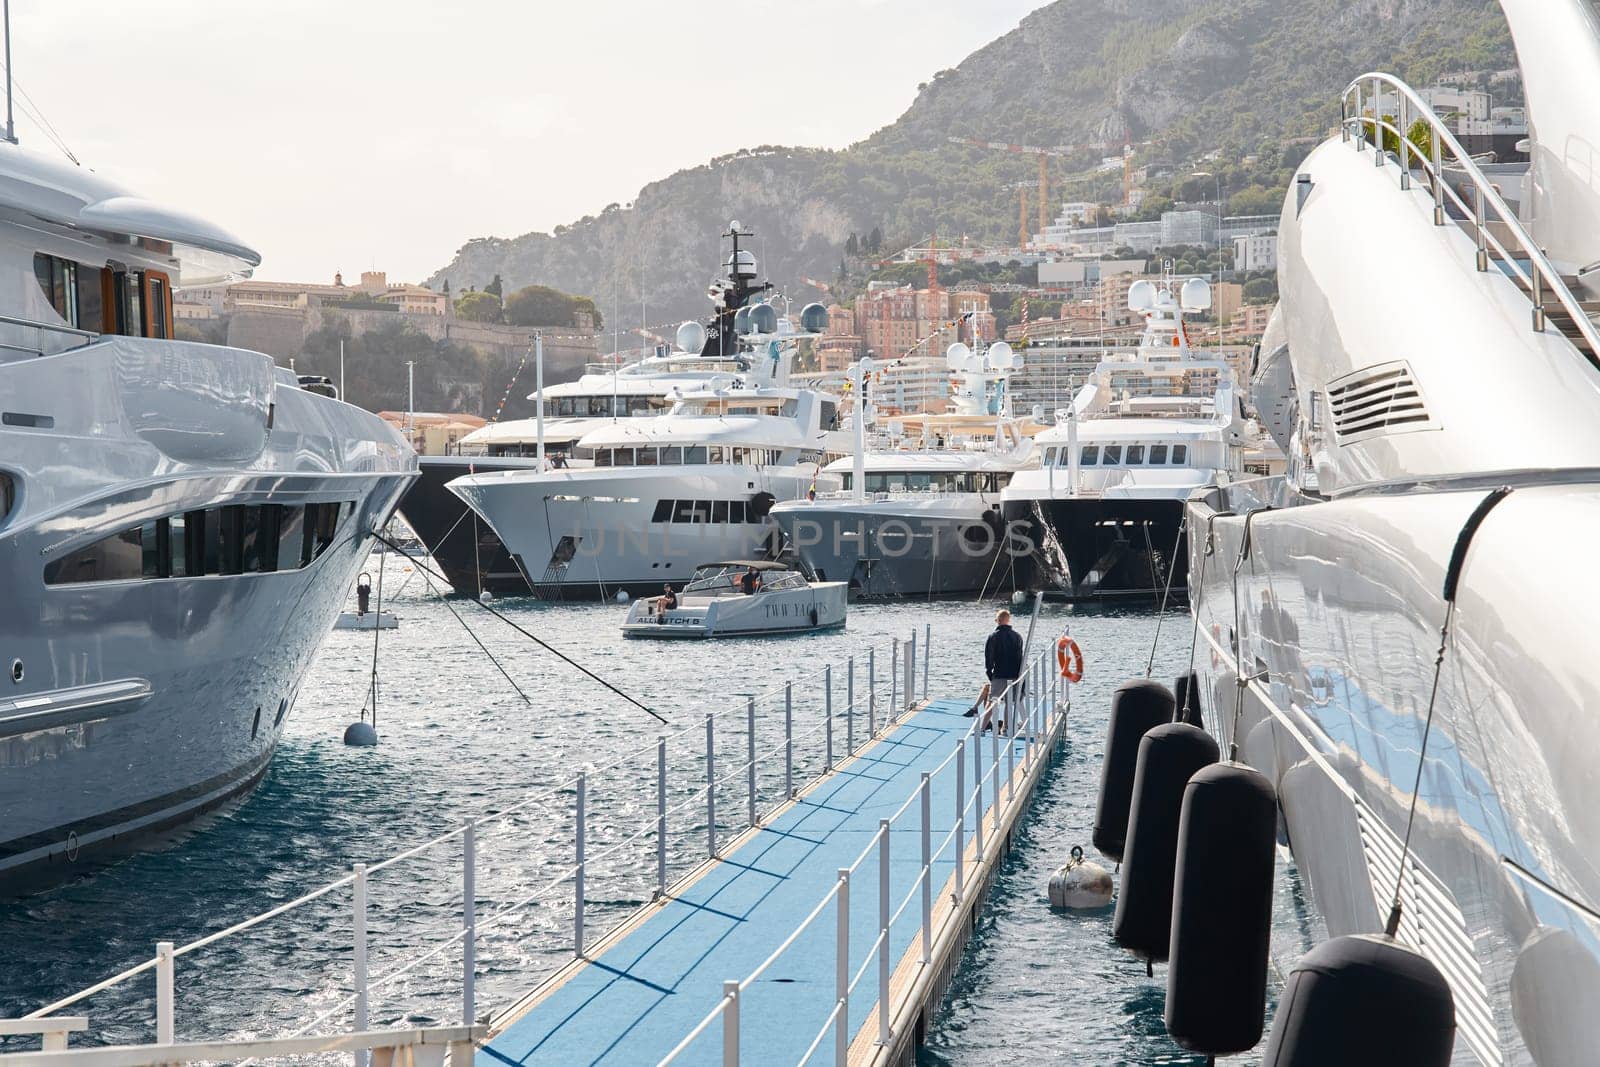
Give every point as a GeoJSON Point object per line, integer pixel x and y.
{"type": "Point", "coordinates": [646, 987]}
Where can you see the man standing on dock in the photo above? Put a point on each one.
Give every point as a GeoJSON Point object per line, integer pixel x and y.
{"type": "Point", "coordinates": [1002, 662]}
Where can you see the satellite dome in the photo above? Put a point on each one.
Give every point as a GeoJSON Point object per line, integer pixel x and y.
{"type": "Point", "coordinates": [1001, 356]}
{"type": "Point", "coordinates": [691, 336]}
{"type": "Point", "coordinates": [763, 319]}
{"type": "Point", "coordinates": [741, 264]}
{"type": "Point", "coordinates": [741, 321]}
{"type": "Point", "coordinates": [1141, 296]}
{"type": "Point", "coordinates": [1196, 294]}
{"type": "Point", "coordinates": [958, 356]}
{"type": "Point", "coordinates": [813, 318]}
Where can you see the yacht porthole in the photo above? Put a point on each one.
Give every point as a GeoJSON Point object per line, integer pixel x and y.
{"type": "Point", "coordinates": [16, 671]}
{"type": "Point", "coordinates": [72, 846]}
{"type": "Point", "coordinates": [256, 725]}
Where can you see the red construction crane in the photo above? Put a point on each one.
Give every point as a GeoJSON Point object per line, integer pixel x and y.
{"type": "Point", "coordinates": [1060, 151]}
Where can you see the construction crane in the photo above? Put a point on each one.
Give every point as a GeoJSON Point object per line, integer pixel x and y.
{"type": "Point", "coordinates": [1022, 211]}
{"type": "Point", "coordinates": [1060, 151]}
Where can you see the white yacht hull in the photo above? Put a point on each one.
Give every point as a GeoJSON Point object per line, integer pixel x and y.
{"type": "Point", "coordinates": [818, 606]}
{"type": "Point", "coordinates": [133, 705]}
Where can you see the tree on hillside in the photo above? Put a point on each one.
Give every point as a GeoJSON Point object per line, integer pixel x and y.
{"type": "Point", "coordinates": [1259, 291]}
{"type": "Point", "coordinates": [875, 240]}
{"type": "Point", "coordinates": [539, 305]}
{"type": "Point", "coordinates": [449, 377]}
{"type": "Point", "coordinates": [478, 307]}
{"type": "Point", "coordinates": [583, 303]}
{"type": "Point", "coordinates": [851, 248]}
{"type": "Point", "coordinates": [497, 288]}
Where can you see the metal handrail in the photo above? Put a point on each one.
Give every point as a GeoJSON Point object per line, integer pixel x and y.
{"type": "Point", "coordinates": [49, 327]}
{"type": "Point", "coordinates": [1544, 279]}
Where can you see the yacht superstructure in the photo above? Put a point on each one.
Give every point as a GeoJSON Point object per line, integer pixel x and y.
{"type": "Point", "coordinates": [1103, 515]}
{"type": "Point", "coordinates": [918, 513]}
{"type": "Point", "coordinates": [1430, 362]}
{"type": "Point", "coordinates": [667, 494]}
{"type": "Point", "coordinates": [179, 523]}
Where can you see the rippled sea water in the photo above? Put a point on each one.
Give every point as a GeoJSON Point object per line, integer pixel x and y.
{"type": "Point", "coordinates": [458, 741]}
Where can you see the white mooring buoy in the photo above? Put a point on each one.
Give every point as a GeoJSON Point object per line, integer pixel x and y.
{"type": "Point", "coordinates": [485, 596]}
{"type": "Point", "coordinates": [1080, 885]}
{"type": "Point", "coordinates": [361, 734]}
{"type": "Point", "coordinates": [622, 596]}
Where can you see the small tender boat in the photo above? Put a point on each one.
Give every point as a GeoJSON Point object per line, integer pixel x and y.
{"type": "Point", "coordinates": [741, 598]}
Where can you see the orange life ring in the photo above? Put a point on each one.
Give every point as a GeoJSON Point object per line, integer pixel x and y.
{"type": "Point", "coordinates": [1069, 658]}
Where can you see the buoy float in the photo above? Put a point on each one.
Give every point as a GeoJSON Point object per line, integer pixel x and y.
{"type": "Point", "coordinates": [361, 735]}
{"type": "Point", "coordinates": [1169, 756]}
{"type": "Point", "coordinates": [622, 596]}
{"type": "Point", "coordinates": [1019, 597]}
{"type": "Point", "coordinates": [1363, 999]}
{"type": "Point", "coordinates": [1080, 885]}
{"type": "Point", "coordinates": [485, 596]}
{"type": "Point", "coordinates": [1069, 658]}
{"type": "Point", "coordinates": [1137, 706]}
{"type": "Point", "coordinates": [1555, 984]}
{"type": "Point", "coordinates": [1187, 694]}
{"type": "Point", "coordinates": [1222, 911]}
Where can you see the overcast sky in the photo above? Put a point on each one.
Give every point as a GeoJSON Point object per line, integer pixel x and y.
{"type": "Point", "coordinates": [343, 134]}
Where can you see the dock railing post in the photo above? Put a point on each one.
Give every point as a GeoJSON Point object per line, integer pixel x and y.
{"type": "Point", "coordinates": [911, 668]}
{"type": "Point", "coordinates": [358, 936]}
{"type": "Point", "coordinates": [750, 757]}
{"type": "Point", "coordinates": [850, 709]}
{"type": "Point", "coordinates": [711, 789]}
{"type": "Point", "coordinates": [661, 817]}
{"type": "Point", "coordinates": [883, 931]}
{"type": "Point", "coordinates": [730, 1025]}
{"type": "Point", "coordinates": [166, 1029]}
{"type": "Point", "coordinates": [927, 647]}
{"type": "Point", "coordinates": [841, 970]}
{"type": "Point", "coordinates": [577, 881]}
{"type": "Point", "coordinates": [1020, 709]}
{"type": "Point", "coordinates": [872, 692]}
{"type": "Point", "coordinates": [788, 740]}
{"type": "Point", "coordinates": [827, 711]}
{"type": "Point", "coordinates": [894, 681]}
{"type": "Point", "coordinates": [469, 920]}
{"type": "Point", "coordinates": [927, 868]}
{"type": "Point", "coordinates": [977, 788]}
{"type": "Point", "coordinates": [961, 817]}
{"type": "Point", "coordinates": [994, 733]}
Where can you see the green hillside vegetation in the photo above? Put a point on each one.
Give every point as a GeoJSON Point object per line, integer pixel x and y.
{"type": "Point", "coordinates": [1240, 89]}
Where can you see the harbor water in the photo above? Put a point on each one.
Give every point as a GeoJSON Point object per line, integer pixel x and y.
{"type": "Point", "coordinates": [458, 741]}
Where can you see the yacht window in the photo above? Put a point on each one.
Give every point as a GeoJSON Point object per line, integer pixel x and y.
{"type": "Point", "coordinates": [644, 457]}
{"type": "Point", "coordinates": [158, 306]}
{"type": "Point", "coordinates": [998, 481]}
{"type": "Point", "coordinates": [663, 512]}
{"type": "Point", "coordinates": [714, 454]}
{"type": "Point", "coordinates": [1090, 456]}
{"type": "Point", "coordinates": [683, 511]}
{"type": "Point", "coordinates": [673, 455]}
{"type": "Point", "coordinates": [1180, 453]}
{"type": "Point", "coordinates": [561, 408]}
{"type": "Point", "coordinates": [291, 538]}
{"type": "Point", "coordinates": [1135, 455]}
{"type": "Point", "coordinates": [622, 457]}
{"type": "Point", "coordinates": [1158, 454]}
{"type": "Point", "coordinates": [1113, 454]}
{"type": "Point", "coordinates": [638, 405]}
{"type": "Point", "coordinates": [8, 495]}
{"type": "Point", "coordinates": [178, 546]}
{"type": "Point", "coordinates": [695, 455]}
{"type": "Point", "coordinates": [110, 559]}
{"type": "Point", "coordinates": [919, 481]}
{"type": "Point", "coordinates": [702, 511]}
{"type": "Point", "coordinates": [324, 520]}
{"type": "Point", "coordinates": [719, 511]}
{"type": "Point", "coordinates": [153, 541]}
{"type": "Point", "coordinates": [59, 279]}
{"type": "Point", "coordinates": [602, 457]}
{"type": "Point", "coordinates": [129, 307]}
{"type": "Point", "coordinates": [232, 539]}
{"type": "Point", "coordinates": [736, 511]}
{"type": "Point", "coordinates": [830, 415]}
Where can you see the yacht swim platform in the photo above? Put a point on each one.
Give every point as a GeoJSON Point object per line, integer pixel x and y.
{"type": "Point", "coordinates": [656, 990]}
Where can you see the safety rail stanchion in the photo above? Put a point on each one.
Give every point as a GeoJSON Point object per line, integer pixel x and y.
{"type": "Point", "coordinates": [883, 931]}
{"type": "Point", "coordinates": [927, 648]}
{"type": "Point", "coordinates": [872, 692]}
{"type": "Point", "coordinates": [788, 741]}
{"type": "Point", "coordinates": [1017, 707]}
{"type": "Point", "coordinates": [750, 756]}
{"type": "Point", "coordinates": [977, 788]}
{"type": "Point", "coordinates": [469, 920]}
{"type": "Point", "coordinates": [730, 1025]}
{"type": "Point", "coordinates": [661, 817]}
{"type": "Point", "coordinates": [911, 669]}
{"type": "Point", "coordinates": [711, 790]}
{"type": "Point", "coordinates": [894, 681]}
{"type": "Point", "coordinates": [358, 936]}
{"type": "Point", "coordinates": [841, 970]}
{"type": "Point", "coordinates": [927, 868]}
{"type": "Point", "coordinates": [961, 817]}
{"type": "Point", "coordinates": [166, 1026]}
{"type": "Point", "coordinates": [850, 709]}
{"type": "Point", "coordinates": [994, 769]}
{"type": "Point", "coordinates": [577, 881]}
{"type": "Point", "coordinates": [827, 713]}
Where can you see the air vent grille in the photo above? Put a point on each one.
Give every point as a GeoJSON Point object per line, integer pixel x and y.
{"type": "Point", "coordinates": [1377, 400]}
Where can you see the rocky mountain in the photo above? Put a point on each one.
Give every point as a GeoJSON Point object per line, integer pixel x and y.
{"type": "Point", "coordinates": [1183, 78]}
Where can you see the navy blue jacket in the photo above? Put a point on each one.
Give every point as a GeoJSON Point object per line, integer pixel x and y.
{"type": "Point", "coordinates": [1002, 655]}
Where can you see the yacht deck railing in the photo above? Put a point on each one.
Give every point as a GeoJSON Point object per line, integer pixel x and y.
{"type": "Point", "coordinates": [85, 337]}
{"type": "Point", "coordinates": [1364, 122]}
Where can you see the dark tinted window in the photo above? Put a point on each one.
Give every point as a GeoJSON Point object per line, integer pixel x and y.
{"type": "Point", "coordinates": [1135, 454]}
{"type": "Point", "coordinates": [110, 559]}
{"type": "Point", "coordinates": [1158, 453]}
{"type": "Point", "coordinates": [1090, 456]}
{"type": "Point", "coordinates": [663, 512]}
{"type": "Point", "coordinates": [1180, 453]}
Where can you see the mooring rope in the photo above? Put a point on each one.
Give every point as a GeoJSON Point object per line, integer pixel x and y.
{"type": "Point", "coordinates": [1166, 595]}
{"type": "Point", "coordinates": [541, 643]}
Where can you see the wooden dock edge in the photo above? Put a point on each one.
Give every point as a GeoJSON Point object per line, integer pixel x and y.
{"type": "Point", "coordinates": [926, 986]}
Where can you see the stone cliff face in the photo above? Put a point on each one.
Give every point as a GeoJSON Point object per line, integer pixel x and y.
{"type": "Point", "coordinates": [1191, 75]}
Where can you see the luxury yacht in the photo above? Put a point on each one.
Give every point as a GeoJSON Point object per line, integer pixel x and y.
{"type": "Point", "coordinates": [918, 513]}
{"type": "Point", "coordinates": [667, 494]}
{"type": "Point", "coordinates": [1409, 608]}
{"type": "Point", "coordinates": [1103, 515]}
{"type": "Point", "coordinates": [469, 553]}
{"type": "Point", "coordinates": [179, 523]}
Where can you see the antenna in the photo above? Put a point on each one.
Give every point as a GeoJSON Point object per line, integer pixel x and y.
{"type": "Point", "coordinates": [11, 125]}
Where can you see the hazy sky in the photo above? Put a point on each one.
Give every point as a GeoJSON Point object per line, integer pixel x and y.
{"type": "Point", "coordinates": [342, 134]}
